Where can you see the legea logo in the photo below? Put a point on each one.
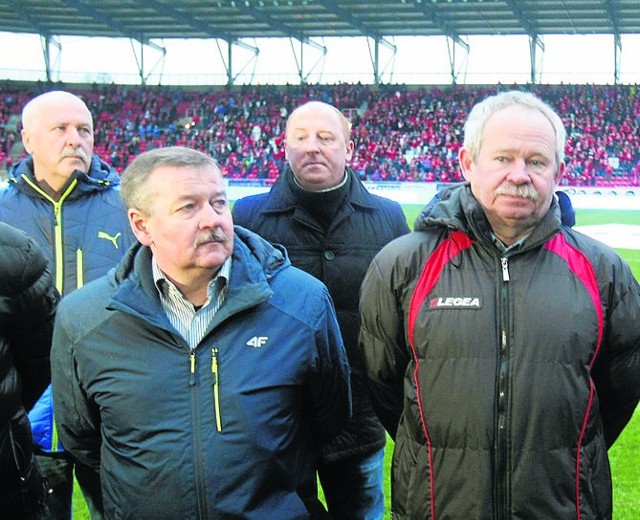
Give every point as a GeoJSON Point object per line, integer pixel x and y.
{"type": "Point", "coordinates": [455, 302]}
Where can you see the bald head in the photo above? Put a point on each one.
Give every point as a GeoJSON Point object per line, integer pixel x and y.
{"type": "Point", "coordinates": [318, 107]}
{"type": "Point", "coordinates": [58, 134]}
{"type": "Point", "coordinates": [318, 145]}
{"type": "Point", "coordinates": [51, 100]}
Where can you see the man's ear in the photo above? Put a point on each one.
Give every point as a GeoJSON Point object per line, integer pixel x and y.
{"type": "Point", "coordinates": [26, 140]}
{"type": "Point", "coordinates": [560, 173]}
{"type": "Point", "coordinates": [138, 222]}
{"type": "Point", "coordinates": [466, 160]}
{"type": "Point", "coordinates": [350, 148]}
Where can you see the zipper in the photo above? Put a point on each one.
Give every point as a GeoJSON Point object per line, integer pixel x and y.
{"type": "Point", "coordinates": [216, 388]}
{"type": "Point", "coordinates": [58, 246]}
{"type": "Point", "coordinates": [502, 403]}
{"type": "Point", "coordinates": [79, 268]}
{"type": "Point", "coordinates": [192, 368]}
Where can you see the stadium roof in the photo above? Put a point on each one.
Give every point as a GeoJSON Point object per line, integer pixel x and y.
{"type": "Point", "coordinates": [302, 19]}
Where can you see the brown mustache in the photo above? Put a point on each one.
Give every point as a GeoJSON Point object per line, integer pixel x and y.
{"type": "Point", "coordinates": [525, 191]}
{"type": "Point", "coordinates": [217, 235]}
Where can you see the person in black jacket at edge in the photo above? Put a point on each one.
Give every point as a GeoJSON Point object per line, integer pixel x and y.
{"type": "Point", "coordinates": [332, 227]}
{"type": "Point", "coordinates": [28, 300]}
{"type": "Point", "coordinates": [502, 347]}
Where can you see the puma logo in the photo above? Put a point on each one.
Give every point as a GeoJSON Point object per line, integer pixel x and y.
{"type": "Point", "coordinates": [112, 239]}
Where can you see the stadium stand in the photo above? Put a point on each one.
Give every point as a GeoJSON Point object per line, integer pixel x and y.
{"type": "Point", "coordinates": [401, 133]}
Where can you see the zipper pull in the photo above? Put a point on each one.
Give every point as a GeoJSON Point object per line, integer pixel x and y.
{"type": "Point", "coordinates": [192, 368]}
{"type": "Point", "coordinates": [505, 269]}
{"type": "Point", "coordinates": [216, 388]}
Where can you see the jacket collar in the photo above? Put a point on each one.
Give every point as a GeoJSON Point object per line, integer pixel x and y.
{"type": "Point", "coordinates": [100, 177]}
{"type": "Point", "coordinates": [457, 208]}
{"type": "Point", "coordinates": [255, 262]}
{"type": "Point", "coordinates": [281, 197]}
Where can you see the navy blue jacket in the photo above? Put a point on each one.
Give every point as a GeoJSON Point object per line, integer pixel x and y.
{"type": "Point", "coordinates": [224, 431]}
{"type": "Point", "coordinates": [83, 234]}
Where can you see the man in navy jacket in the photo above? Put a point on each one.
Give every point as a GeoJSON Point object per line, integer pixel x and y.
{"type": "Point", "coordinates": [205, 368]}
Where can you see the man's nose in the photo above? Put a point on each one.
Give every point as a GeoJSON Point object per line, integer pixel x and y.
{"type": "Point", "coordinates": [73, 136]}
{"type": "Point", "coordinates": [210, 217]}
{"type": "Point", "coordinates": [519, 172]}
{"type": "Point", "coordinates": [312, 144]}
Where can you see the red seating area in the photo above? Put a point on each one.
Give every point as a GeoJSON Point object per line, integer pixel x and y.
{"type": "Point", "coordinates": [401, 133]}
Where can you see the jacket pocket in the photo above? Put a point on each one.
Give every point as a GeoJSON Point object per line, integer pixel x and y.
{"type": "Point", "coordinates": [411, 495]}
{"type": "Point", "coordinates": [595, 481]}
{"type": "Point", "coordinates": [32, 487]}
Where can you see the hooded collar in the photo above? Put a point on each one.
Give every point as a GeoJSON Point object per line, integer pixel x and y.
{"type": "Point", "coordinates": [100, 177]}
{"type": "Point", "coordinates": [456, 207]}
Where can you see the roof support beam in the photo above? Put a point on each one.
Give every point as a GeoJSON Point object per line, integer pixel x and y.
{"type": "Point", "coordinates": [299, 57]}
{"type": "Point", "coordinates": [524, 18]}
{"type": "Point", "coordinates": [452, 45]}
{"type": "Point", "coordinates": [269, 20]}
{"type": "Point", "coordinates": [94, 13]}
{"type": "Point", "coordinates": [346, 16]}
{"type": "Point", "coordinates": [535, 44]}
{"type": "Point", "coordinates": [612, 16]}
{"type": "Point", "coordinates": [47, 41]}
{"type": "Point", "coordinates": [140, 59]}
{"type": "Point", "coordinates": [375, 59]}
{"type": "Point", "coordinates": [617, 58]}
{"type": "Point", "coordinates": [436, 20]}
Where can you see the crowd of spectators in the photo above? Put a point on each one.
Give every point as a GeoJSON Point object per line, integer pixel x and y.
{"type": "Point", "coordinates": [401, 133]}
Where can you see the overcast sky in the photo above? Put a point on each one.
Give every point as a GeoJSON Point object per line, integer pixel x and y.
{"type": "Point", "coordinates": [418, 60]}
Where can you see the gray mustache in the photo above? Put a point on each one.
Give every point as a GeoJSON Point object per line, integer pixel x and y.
{"type": "Point", "coordinates": [75, 152]}
{"type": "Point", "coordinates": [526, 191]}
{"type": "Point", "coordinates": [217, 235]}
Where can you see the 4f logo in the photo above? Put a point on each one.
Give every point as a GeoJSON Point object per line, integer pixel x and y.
{"type": "Point", "coordinates": [257, 341]}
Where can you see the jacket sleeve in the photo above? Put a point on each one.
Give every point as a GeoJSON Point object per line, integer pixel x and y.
{"type": "Point", "coordinates": [617, 370]}
{"type": "Point", "coordinates": [329, 387]}
{"type": "Point", "coordinates": [77, 420]}
{"type": "Point", "coordinates": [400, 221]}
{"type": "Point", "coordinates": [31, 329]}
{"type": "Point", "coordinates": [382, 346]}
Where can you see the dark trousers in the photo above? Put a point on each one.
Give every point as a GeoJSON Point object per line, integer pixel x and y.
{"type": "Point", "coordinates": [58, 470]}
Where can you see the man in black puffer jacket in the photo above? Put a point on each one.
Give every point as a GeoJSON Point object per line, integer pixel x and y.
{"type": "Point", "coordinates": [332, 227]}
{"type": "Point", "coordinates": [28, 299]}
{"type": "Point", "coordinates": [501, 346]}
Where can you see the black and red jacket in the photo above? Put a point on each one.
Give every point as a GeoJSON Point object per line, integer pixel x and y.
{"type": "Point", "coordinates": [504, 378]}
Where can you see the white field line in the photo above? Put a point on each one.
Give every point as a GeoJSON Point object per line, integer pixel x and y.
{"type": "Point", "coordinates": [618, 236]}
